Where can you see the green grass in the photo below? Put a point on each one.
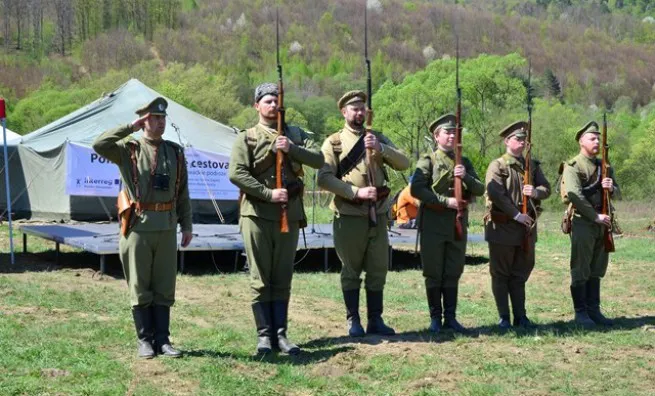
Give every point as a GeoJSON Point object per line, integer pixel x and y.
{"type": "Point", "coordinates": [64, 330]}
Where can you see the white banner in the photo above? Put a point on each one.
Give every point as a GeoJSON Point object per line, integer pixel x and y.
{"type": "Point", "coordinates": [89, 174]}
{"type": "Point", "coordinates": [208, 176]}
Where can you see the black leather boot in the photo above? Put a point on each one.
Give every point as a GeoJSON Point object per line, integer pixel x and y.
{"type": "Point", "coordinates": [593, 303]}
{"type": "Point", "coordinates": [144, 331]}
{"type": "Point", "coordinates": [500, 290]}
{"type": "Point", "coordinates": [579, 296]}
{"type": "Point", "coordinates": [517, 295]}
{"type": "Point", "coordinates": [351, 299]}
{"type": "Point", "coordinates": [450, 310]}
{"type": "Point", "coordinates": [262, 312]}
{"type": "Point", "coordinates": [280, 317]}
{"type": "Point", "coordinates": [374, 306]}
{"type": "Point", "coordinates": [434, 305]}
{"type": "Point", "coordinates": [162, 316]}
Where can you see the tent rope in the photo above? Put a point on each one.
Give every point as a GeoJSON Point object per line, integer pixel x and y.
{"type": "Point", "coordinates": [209, 192]}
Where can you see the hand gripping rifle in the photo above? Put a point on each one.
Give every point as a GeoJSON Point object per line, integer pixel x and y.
{"type": "Point", "coordinates": [459, 194]}
{"type": "Point", "coordinates": [608, 238]}
{"type": "Point", "coordinates": [370, 165]}
{"type": "Point", "coordinates": [527, 175]}
{"type": "Point", "coordinates": [279, 155]}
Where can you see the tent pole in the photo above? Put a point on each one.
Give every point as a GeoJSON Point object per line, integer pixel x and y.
{"type": "Point", "coordinates": [4, 146]}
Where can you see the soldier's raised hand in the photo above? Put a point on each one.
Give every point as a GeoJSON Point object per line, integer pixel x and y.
{"type": "Point", "coordinates": [368, 193]}
{"type": "Point", "coordinates": [460, 171]}
{"type": "Point", "coordinates": [280, 195]}
{"type": "Point", "coordinates": [608, 184]}
{"type": "Point", "coordinates": [140, 122]}
{"type": "Point", "coordinates": [372, 142]}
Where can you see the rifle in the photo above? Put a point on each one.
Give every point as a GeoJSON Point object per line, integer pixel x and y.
{"type": "Point", "coordinates": [608, 238]}
{"type": "Point", "coordinates": [279, 156]}
{"type": "Point", "coordinates": [370, 169]}
{"type": "Point", "coordinates": [459, 195]}
{"type": "Point", "coordinates": [527, 175]}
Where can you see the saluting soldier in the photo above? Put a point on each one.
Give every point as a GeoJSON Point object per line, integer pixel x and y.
{"type": "Point", "coordinates": [359, 246]}
{"type": "Point", "coordinates": [582, 188]}
{"type": "Point", "coordinates": [511, 260]}
{"type": "Point", "coordinates": [442, 256]}
{"type": "Point", "coordinates": [155, 199]}
{"type": "Point", "coordinates": [270, 252]}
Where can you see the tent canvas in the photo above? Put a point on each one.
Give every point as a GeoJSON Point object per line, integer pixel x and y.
{"type": "Point", "coordinates": [38, 160]}
{"type": "Point", "coordinates": [12, 137]}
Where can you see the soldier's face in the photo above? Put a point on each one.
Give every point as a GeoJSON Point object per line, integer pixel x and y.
{"type": "Point", "coordinates": [590, 143]}
{"type": "Point", "coordinates": [267, 107]}
{"type": "Point", "coordinates": [445, 138]}
{"type": "Point", "coordinates": [354, 114]}
{"type": "Point", "coordinates": [156, 124]}
{"type": "Point", "coordinates": [515, 144]}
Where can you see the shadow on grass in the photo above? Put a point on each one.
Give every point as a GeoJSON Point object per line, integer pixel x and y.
{"type": "Point", "coordinates": [48, 261]}
{"type": "Point", "coordinates": [305, 357]}
{"type": "Point", "coordinates": [559, 329]}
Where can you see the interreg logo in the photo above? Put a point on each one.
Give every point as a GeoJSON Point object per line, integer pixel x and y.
{"type": "Point", "coordinates": [89, 180]}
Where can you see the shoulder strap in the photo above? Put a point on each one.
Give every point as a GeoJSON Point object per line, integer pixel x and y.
{"type": "Point", "coordinates": [350, 160]}
{"type": "Point", "coordinates": [135, 176]}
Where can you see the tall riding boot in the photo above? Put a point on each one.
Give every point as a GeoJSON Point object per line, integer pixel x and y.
{"type": "Point", "coordinates": [280, 317]}
{"type": "Point", "coordinates": [579, 296]}
{"type": "Point", "coordinates": [434, 304]}
{"type": "Point", "coordinates": [517, 295]}
{"type": "Point", "coordinates": [374, 305]}
{"type": "Point", "coordinates": [593, 303]}
{"type": "Point", "coordinates": [162, 315]}
{"type": "Point", "coordinates": [450, 310]}
{"type": "Point", "coordinates": [144, 330]}
{"type": "Point", "coordinates": [500, 291]}
{"type": "Point", "coordinates": [264, 323]}
{"type": "Point", "coordinates": [351, 299]}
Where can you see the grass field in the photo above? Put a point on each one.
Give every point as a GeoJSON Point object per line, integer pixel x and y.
{"type": "Point", "coordinates": [65, 330]}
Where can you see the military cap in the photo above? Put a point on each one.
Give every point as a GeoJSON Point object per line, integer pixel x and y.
{"type": "Point", "coordinates": [446, 121]}
{"type": "Point", "coordinates": [518, 128]}
{"type": "Point", "coordinates": [156, 107]}
{"type": "Point", "coordinates": [591, 127]}
{"type": "Point", "coordinates": [265, 89]}
{"type": "Point", "coordinates": [351, 97]}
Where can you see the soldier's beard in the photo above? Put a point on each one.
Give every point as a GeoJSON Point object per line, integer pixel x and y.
{"type": "Point", "coordinates": [356, 124]}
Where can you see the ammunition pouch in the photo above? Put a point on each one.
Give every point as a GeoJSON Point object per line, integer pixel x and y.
{"type": "Point", "coordinates": [566, 219]}
{"type": "Point", "coordinates": [499, 217]}
{"type": "Point", "coordinates": [295, 189]}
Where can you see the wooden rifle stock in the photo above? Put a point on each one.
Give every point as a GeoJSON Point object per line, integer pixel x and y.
{"type": "Point", "coordinates": [608, 238]}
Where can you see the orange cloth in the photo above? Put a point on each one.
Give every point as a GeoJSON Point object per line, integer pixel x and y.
{"type": "Point", "coordinates": [407, 208]}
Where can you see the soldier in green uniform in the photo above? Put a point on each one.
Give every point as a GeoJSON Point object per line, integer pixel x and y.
{"type": "Point", "coordinates": [510, 260]}
{"type": "Point", "coordinates": [582, 184]}
{"type": "Point", "coordinates": [442, 256]}
{"type": "Point", "coordinates": [154, 175]}
{"type": "Point", "coordinates": [359, 246]}
{"type": "Point", "coordinates": [270, 252]}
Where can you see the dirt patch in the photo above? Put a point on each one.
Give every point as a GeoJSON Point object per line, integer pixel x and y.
{"type": "Point", "coordinates": [53, 372]}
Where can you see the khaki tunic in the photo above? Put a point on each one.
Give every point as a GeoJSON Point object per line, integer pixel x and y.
{"type": "Point", "coordinates": [441, 255]}
{"type": "Point", "coordinates": [359, 247]}
{"type": "Point", "coordinates": [270, 253]}
{"type": "Point", "coordinates": [149, 252]}
{"type": "Point", "coordinates": [588, 256]}
{"type": "Point", "coordinates": [508, 261]}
